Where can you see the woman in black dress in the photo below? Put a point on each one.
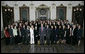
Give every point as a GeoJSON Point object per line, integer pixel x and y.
{"type": "Point", "coordinates": [64, 34]}
{"type": "Point", "coordinates": [74, 35]}
{"type": "Point", "coordinates": [68, 34]}
{"type": "Point", "coordinates": [79, 34]}
{"type": "Point", "coordinates": [59, 34]}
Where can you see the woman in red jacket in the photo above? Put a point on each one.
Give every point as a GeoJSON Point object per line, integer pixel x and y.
{"type": "Point", "coordinates": [7, 36]}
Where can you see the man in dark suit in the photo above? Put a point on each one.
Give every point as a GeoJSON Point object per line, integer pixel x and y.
{"type": "Point", "coordinates": [11, 35]}
{"type": "Point", "coordinates": [52, 34]}
{"type": "Point", "coordinates": [48, 34]}
{"type": "Point", "coordinates": [28, 35]}
{"type": "Point", "coordinates": [19, 35]}
{"type": "Point", "coordinates": [23, 34]}
{"type": "Point", "coordinates": [68, 41]}
{"type": "Point", "coordinates": [56, 35]}
{"type": "Point", "coordinates": [42, 34]}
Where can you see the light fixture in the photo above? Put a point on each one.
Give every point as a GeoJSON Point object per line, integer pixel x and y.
{"type": "Point", "coordinates": [80, 9]}
{"type": "Point", "coordinates": [74, 10]}
{"type": "Point", "coordinates": [5, 9]}
{"type": "Point", "coordinates": [8, 9]}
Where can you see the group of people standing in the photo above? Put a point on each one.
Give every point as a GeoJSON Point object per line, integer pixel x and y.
{"type": "Point", "coordinates": [47, 31]}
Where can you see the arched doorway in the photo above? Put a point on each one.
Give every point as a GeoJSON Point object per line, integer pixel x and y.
{"type": "Point", "coordinates": [42, 12]}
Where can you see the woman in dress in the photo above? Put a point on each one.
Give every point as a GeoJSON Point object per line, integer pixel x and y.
{"type": "Point", "coordinates": [15, 34]}
{"type": "Point", "coordinates": [31, 35]}
{"type": "Point", "coordinates": [79, 34]}
{"type": "Point", "coordinates": [68, 39]}
{"type": "Point", "coordinates": [7, 36]}
{"type": "Point", "coordinates": [64, 34]}
{"type": "Point", "coordinates": [59, 35]}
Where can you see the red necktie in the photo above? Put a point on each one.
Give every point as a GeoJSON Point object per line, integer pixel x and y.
{"type": "Point", "coordinates": [41, 29]}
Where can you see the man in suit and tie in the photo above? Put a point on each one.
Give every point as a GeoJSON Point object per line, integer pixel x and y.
{"type": "Point", "coordinates": [48, 30]}
{"type": "Point", "coordinates": [41, 34]}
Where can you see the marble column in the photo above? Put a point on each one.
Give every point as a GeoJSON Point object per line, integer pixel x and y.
{"type": "Point", "coordinates": [53, 12]}
{"type": "Point", "coordinates": [1, 20]}
{"type": "Point", "coordinates": [16, 13]}
{"type": "Point", "coordinates": [69, 13]}
{"type": "Point", "coordinates": [32, 13]}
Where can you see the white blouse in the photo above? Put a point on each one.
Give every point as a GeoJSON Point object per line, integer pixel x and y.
{"type": "Point", "coordinates": [14, 32]}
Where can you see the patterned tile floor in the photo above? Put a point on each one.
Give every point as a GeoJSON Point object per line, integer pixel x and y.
{"type": "Point", "coordinates": [58, 48]}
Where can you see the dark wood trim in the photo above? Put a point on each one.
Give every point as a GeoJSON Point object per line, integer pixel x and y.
{"type": "Point", "coordinates": [65, 12]}
{"type": "Point", "coordinates": [10, 8]}
{"type": "Point", "coordinates": [81, 17]}
{"type": "Point", "coordinates": [6, 7]}
{"type": "Point", "coordinates": [73, 11]}
{"type": "Point", "coordinates": [27, 12]}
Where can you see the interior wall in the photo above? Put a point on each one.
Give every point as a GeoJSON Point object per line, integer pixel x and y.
{"type": "Point", "coordinates": [17, 4]}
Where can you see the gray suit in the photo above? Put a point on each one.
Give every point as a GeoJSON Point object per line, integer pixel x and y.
{"type": "Point", "coordinates": [42, 34]}
{"type": "Point", "coordinates": [48, 35]}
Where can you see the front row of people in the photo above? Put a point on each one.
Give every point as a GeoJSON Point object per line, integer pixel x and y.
{"type": "Point", "coordinates": [51, 34]}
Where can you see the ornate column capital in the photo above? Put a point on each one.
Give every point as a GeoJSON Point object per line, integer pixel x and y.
{"type": "Point", "coordinates": [53, 5]}
{"type": "Point", "coordinates": [31, 5]}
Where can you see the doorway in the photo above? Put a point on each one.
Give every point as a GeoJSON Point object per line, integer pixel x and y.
{"type": "Point", "coordinates": [7, 15]}
{"type": "Point", "coordinates": [78, 14]}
